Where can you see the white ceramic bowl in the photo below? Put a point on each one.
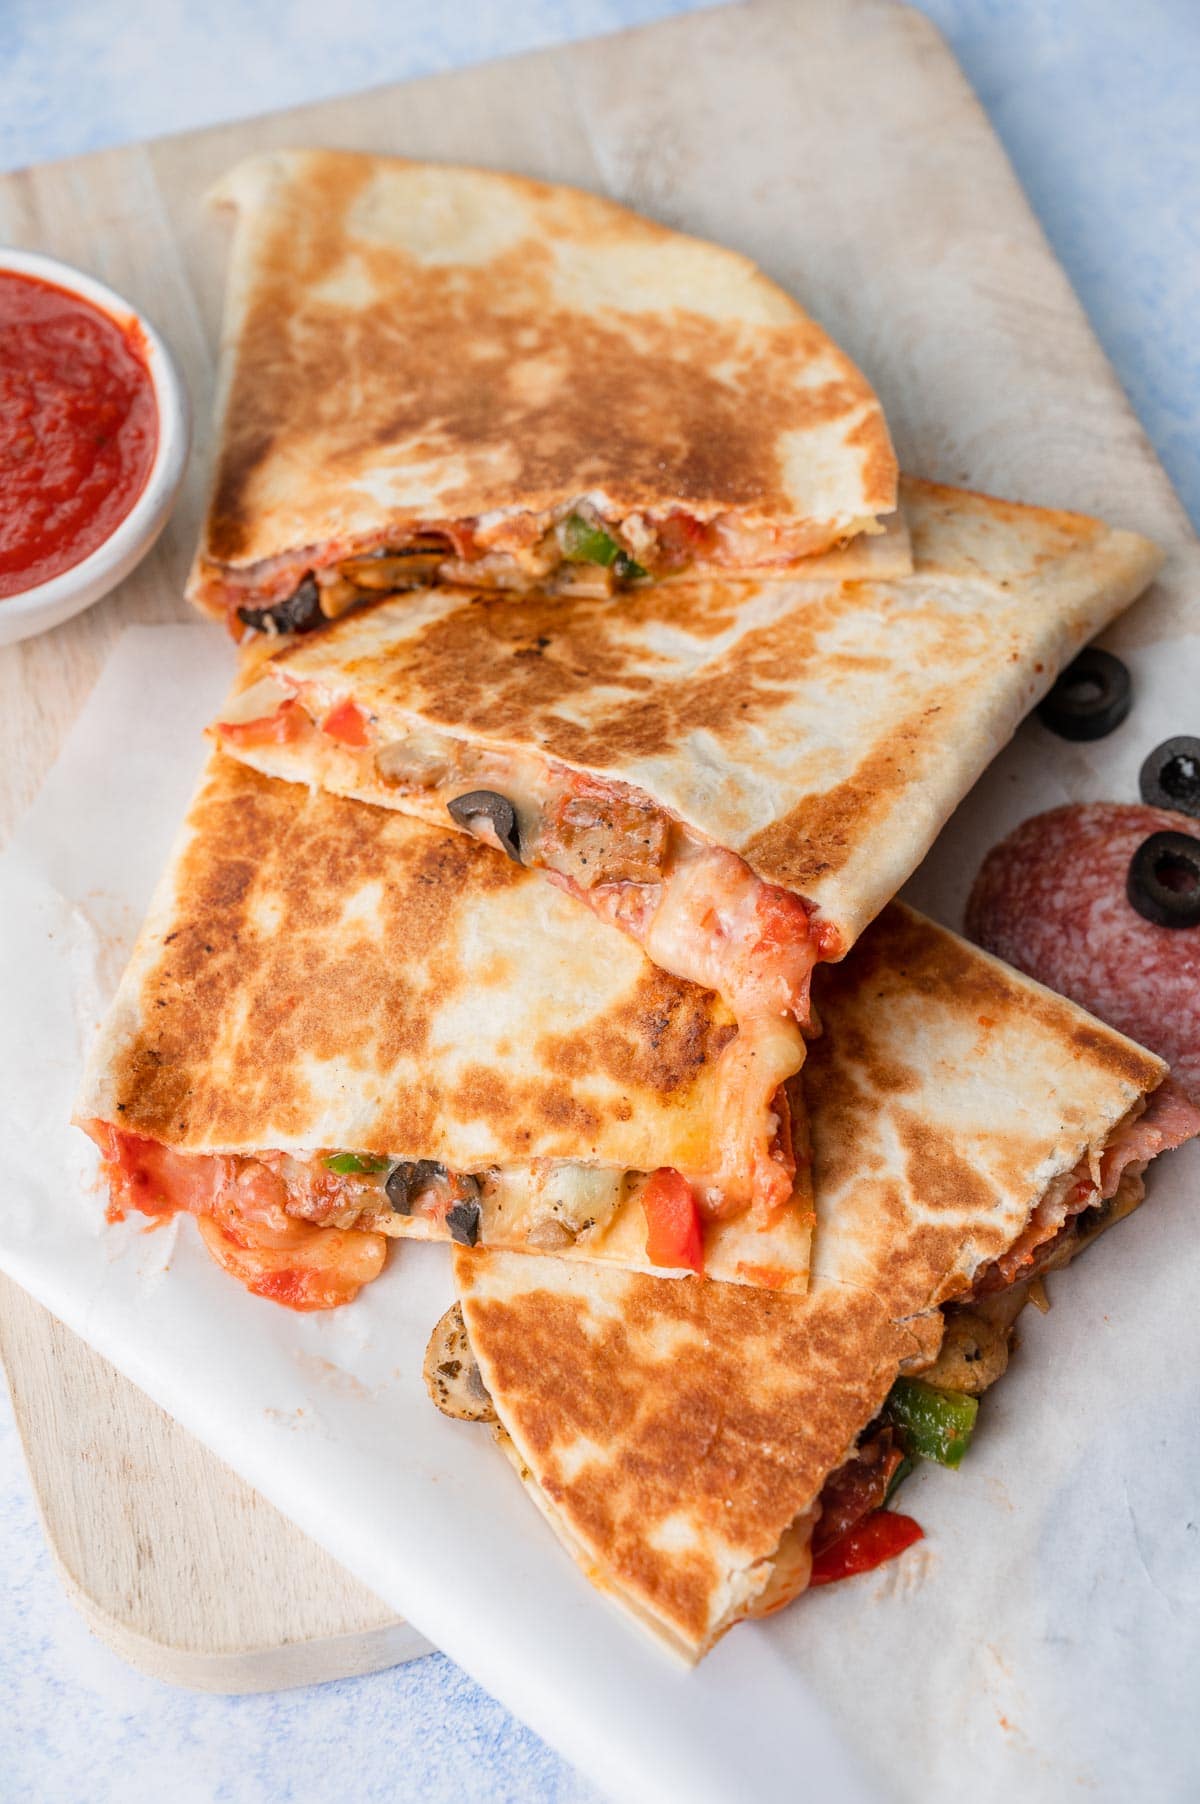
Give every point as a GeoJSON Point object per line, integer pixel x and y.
{"type": "Point", "coordinates": [48, 604]}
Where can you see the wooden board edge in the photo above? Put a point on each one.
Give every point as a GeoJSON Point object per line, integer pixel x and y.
{"type": "Point", "coordinates": [368, 1638]}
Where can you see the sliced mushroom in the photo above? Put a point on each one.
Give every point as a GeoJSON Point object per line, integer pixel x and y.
{"type": "Point", "coordinates": [452, 1376]}
{"type": "Point", "coordinates": [337, 595]}
{"type": "Point", "coordinates": [398, 570]}
{"type": "Point", "coordinates": [420, 761]}
{"type": "Point", "coordinates": [550, 1236]}
{"type": "Point", "coordinates": [490, 817]}
{"type": "Point", "coordinates": [977, 1342]}
{"type": "Point", "coordinates": [578, 1196]}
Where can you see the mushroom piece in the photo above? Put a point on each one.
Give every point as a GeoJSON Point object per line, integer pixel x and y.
{"type": "Point", "coordinates": [490, 817]}
{"type": "Point", "coordinates": [337, 595]}
{"type": "Point", "coordinates": [550, 1235]}
{"type": "Point", "coordinates": [396, 570]}
{"type": "Point", "coordinates": [452, 1375]}
{"type": "Point", "coordinates": [418, 761]}
{"type": "Point", "coordinates": [977, 1342]}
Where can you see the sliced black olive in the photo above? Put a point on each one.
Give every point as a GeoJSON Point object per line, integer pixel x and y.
{"type": "Point", "coordinates": [1164, 880]}
{"type": "Point", "coordinates": [1170, 777]}
{"type": "Point", "coordinates": [399, 1187]}
{"type": "Point", "coordinates": [300, 613]}
{"type": "Point", "coordinates": [463, 1222]}
{"type": "Point", "coordinates": [483, 808]}
{"type": "Point", "coordinates": [1091, 697]}
{"type": "Point", "coordinates": [408, 1179]}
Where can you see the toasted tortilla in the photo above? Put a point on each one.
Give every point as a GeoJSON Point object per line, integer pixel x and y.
{"type": "Point", "coordinates": [321, 980]}
{"type": "Point", "coordinates": [678, 1436]}
{"type": "Point", "coordinates": [823, 733]}
{"type": "Point", "coordinates": [738, 775]}
{"type": "Point", "coordinates": [411, 348]}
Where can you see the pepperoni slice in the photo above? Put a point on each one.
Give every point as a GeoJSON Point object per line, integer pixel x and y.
{"type": "Point", "coordinates": [1050, 899]}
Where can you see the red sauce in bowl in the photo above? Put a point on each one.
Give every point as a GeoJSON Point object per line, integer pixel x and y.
{"type": "Point", "coordinates": [78, 428]}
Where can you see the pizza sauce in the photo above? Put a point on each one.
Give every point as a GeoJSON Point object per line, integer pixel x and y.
{"type": "Point", "coordinates": [78, 428]}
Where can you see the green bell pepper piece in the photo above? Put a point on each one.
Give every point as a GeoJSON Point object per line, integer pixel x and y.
{"type": "Point", "coordinates": [935, 1424]}
{"type": "Point", "coordinates": [897, 1479]}
{"type": "Point", "coordinates": [347, 1164]}
{"type": "Point", "coordinates": [586, 544]}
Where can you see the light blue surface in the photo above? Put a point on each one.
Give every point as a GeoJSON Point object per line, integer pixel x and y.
{"type": "Point", "coordinates": [1097, 102]}
{"type": "Point", "coordinates": [78, 1726]}
{"type": "Point", "coordinates": [1098, 105]}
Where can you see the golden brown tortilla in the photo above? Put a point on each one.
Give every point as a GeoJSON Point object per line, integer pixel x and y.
{"type": "Point", "coordinates": [408, 345]}
{"type": "Point", "coordinates": [317, 977]}
{"type": "Point", "coordinates": [822, 732]}
{"type": "Point", "coordinates": [678, 1436]}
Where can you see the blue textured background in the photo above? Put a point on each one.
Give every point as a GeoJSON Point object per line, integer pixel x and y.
{"type": "Point", "coordinates": [1098, 103]}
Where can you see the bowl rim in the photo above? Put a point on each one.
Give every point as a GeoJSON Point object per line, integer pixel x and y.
{"type": "Point", "coordinates": [136, 531]}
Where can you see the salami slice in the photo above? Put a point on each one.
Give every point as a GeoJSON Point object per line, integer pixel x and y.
{"type": "Point", "coordinates": [1050, 899]}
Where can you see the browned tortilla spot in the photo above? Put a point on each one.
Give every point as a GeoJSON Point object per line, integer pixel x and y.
{"type": "Point", "coordinates": [306, 934]}
{"type": "Point", "coordinates": [487, 368]}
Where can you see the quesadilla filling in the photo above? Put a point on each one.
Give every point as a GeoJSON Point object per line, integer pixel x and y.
{"type": "Point", "coordinates": [933, 1416]}
{"type": "Point", "coordinates": [309, 1230]}
{"type": "Point", "coordinates": [575, 550]}
{"type": "Point", "coordinates": [850, 1527]}
{"type": "Point", "coordinates": [1073, 1204]}
{"type": "Point", "coordinates": [697, 910]}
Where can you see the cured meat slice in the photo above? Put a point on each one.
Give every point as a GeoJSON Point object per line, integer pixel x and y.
{"type": "Point", "coordinates": [1050, 899]}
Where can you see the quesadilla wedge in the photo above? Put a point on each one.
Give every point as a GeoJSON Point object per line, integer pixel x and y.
{"type": "Point", "coordinates": [339, 1025]}
{"type": "Point", "coordinates": [432, 373]}
{"type": "Point", "coordinates": [693, 1445]}
{"type": "Point", "coordinates": [738, 776]}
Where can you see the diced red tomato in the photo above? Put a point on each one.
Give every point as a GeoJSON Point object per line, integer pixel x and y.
{"type": "Point", "coordinates": [877, 1538]}
{"type": "Point", "coordinates": [288, 723]}
{"type": "Point", "coordinates": [674, 1235]}
{"type": "Point", "coordinates": [681, 538]}
{"type": "Point", "coordinates": [347, 723]}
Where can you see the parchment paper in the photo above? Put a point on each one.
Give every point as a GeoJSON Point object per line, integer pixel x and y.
{"type": "Point", "coordinates": [1040, 1643]}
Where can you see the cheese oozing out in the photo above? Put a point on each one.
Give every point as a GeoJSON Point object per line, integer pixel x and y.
{"type": "Point", "coordinates": [309, 1229]}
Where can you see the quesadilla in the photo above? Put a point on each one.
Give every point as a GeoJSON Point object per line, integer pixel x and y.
{"type": "Point", "coordinates": [738, 776]}
{"type": "Point", "coordinates": [340, 1026]}
{"type": "Point", "coordinates": [694, 1444]}
{"type": "Point", "coordinates": [431, 373]}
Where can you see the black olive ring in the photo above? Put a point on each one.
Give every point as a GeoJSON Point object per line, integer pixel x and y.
{"type": "Point", "coordinates": [1091, 697]}
{"type": "Point", "coordinates": [1170, 776]}
{"type": "Point", "coordinates": [489, 810]}
{"type": "Point", "coordinates": [1164, 880]}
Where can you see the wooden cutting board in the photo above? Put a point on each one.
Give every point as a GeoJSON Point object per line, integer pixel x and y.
{"type": "Point", "coordinates": [836, 142]}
